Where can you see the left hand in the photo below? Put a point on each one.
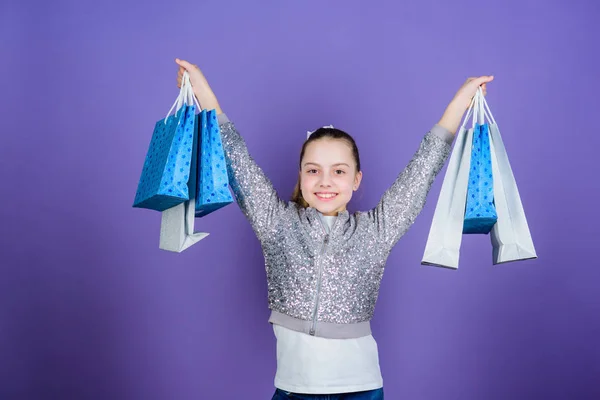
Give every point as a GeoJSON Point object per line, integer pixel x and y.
{"type": "Point", "coordinates": [461, 101]}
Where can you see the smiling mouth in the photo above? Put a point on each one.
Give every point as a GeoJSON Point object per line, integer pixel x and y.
{"type": "Point", "coordinates": [326, 196]}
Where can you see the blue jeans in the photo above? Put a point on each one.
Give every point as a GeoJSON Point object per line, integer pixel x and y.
{"type": "Point", "coordinates": [376, 394]}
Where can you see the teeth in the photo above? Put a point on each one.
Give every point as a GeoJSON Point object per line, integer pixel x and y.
{"type": "Point", "coordinates": [326, 195]}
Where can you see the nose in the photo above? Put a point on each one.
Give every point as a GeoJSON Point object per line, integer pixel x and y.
{"type": "Point", "coordinates": [325, 181]}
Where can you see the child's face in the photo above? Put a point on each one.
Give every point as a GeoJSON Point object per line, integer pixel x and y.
{"type": "Point", "coordinates": [328, 175]}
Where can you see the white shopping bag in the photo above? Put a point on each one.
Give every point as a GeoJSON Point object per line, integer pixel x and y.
{"type": "Point", "coordinates": [445, 235]}
{"type": "Point", "coordinates": [177, 227]}
{"type": "Point", "coordinates": [510, 237]}
{"type": "Point", "coordinates": [177, 223]}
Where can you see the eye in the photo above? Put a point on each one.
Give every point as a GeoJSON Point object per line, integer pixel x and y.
{"type": "Point", "coordinates": [340, 171]}
{"type": "Point", "coordinates": [312, 171]}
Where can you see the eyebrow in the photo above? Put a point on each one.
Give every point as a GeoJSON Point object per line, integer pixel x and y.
{"type": "Point", "coordinates": [334, 165]}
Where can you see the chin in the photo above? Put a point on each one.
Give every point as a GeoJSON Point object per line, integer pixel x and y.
{"type": "Point", "coordinates": [328, 208]}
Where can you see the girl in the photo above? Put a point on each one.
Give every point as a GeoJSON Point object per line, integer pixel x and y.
{"type": "Point", "coordinates": [323, 265]}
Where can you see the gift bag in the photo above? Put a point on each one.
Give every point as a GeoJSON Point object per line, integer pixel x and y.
{"type": "Point", "coordinates": [177, 223]}
{"type": "Point", "coordinates": [445, 235]}
{"type": "Point", "coordinates": [166, 172]}
{"type": "Point", "coordinates": [213, 181]}
{"type": "Point", "coordinates": [480, 212]}
{"type": "Point", "coordinates": [511, 239]}
{"type": "Point", "coordinates": [510, 236]}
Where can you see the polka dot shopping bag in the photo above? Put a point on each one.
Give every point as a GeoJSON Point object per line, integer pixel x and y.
{"type": "Point", "coordinates": [213, 181]}
{"type": "Point", "coordinates": [165, 177]}
{"type": "Point", "coordinates": [480, 211]}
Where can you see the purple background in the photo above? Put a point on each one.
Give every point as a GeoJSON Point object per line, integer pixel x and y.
{"type": "Point", "coordinates": [90, 308]}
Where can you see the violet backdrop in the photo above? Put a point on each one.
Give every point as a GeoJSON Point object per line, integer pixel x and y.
{"type": "Point", "coordinates": [90, 308]}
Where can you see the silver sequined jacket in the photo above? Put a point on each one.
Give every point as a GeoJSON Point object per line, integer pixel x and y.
{"type": "Point", "coordinates": [326, 284]}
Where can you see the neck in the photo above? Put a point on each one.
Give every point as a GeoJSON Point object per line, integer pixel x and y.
{"type": "Point", "coordinates": [331, 213]}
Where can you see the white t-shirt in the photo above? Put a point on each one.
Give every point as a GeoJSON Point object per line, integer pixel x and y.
{"type": "Point", "coordinates": [316, 365]}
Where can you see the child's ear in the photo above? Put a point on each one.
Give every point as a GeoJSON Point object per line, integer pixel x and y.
{"type": "Point", "coordinates": [357, 180]}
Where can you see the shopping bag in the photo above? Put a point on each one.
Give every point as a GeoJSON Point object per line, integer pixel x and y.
{"type": "Point", "coordinates": [511, 238]}
{"type": "Point", "coordinates": [445, 235]}
{"type": "Point", "coordinates": [213, 180]}
{"type": "Point", "coordinates": [480, 212]}
{"type": "Point", "coordinates": [177, 223]}
{"type": "Point", "coordinates": [166, 172]}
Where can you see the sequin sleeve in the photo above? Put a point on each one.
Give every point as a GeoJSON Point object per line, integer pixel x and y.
{"type": "Point", "coordinates": [253, 191]}
{"type": "Point", "coordinates": [403, 201]}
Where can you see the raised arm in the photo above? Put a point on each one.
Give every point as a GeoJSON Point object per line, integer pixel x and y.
{"type": "Point", "coordinates": [403, 201]}
{"type": "Point", "coordinates": [253, 191]}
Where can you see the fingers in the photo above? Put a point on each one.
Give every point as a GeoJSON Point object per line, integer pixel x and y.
{"type": "Point", "coordinates": [481, 81]}
{"type": "Point", "coordinates": [184, 65]}
{"type": "Point", "coordinates": [484, 79]}
{"type": "Point", "coordinates": [179, 77]}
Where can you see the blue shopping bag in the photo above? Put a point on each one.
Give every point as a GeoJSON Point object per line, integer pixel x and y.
{"type": "Point", "coordinates": [213, 181]}
{"type": "Point", "coordinates": [480, 212]}
{"type": "Point", "coordinates": [166, 173]}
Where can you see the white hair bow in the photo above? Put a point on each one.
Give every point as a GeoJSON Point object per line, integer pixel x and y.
{"type": "Point", "coordinates": [308, 133]}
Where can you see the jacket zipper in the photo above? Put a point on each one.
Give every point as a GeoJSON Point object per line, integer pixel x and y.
{"type": "Point", "coordinates": [319, 278]}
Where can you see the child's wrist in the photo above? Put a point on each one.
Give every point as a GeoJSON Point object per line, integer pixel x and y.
{"type": "Point", "coordinates": [209, 102]}
{"type": "Point", "coordinates": [451, 118]}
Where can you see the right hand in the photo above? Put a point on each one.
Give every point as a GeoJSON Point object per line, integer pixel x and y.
{"type": "Point", "coordinates": [202, 90]}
